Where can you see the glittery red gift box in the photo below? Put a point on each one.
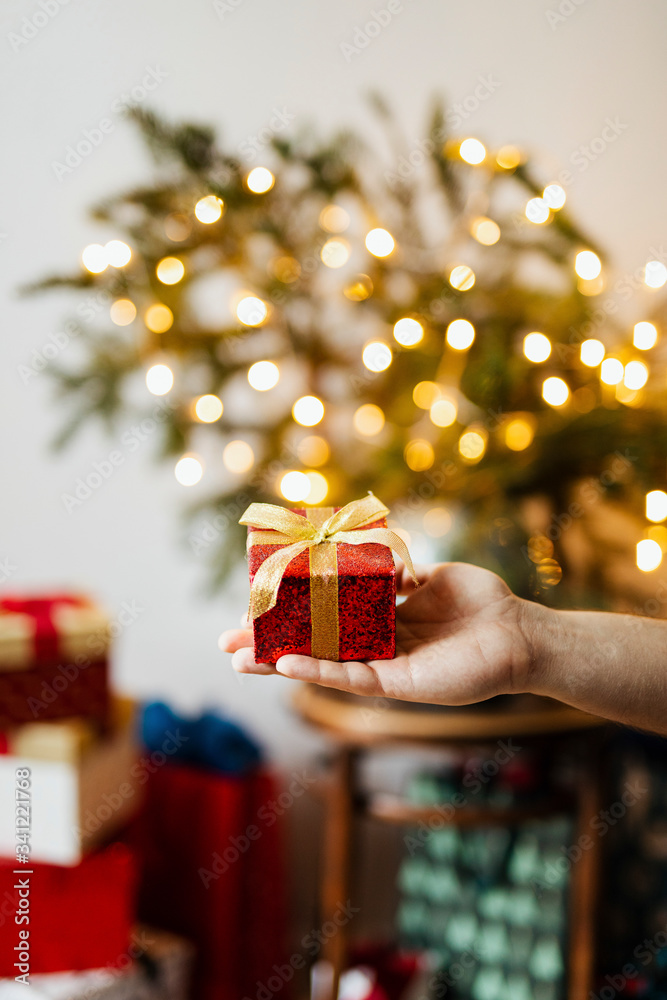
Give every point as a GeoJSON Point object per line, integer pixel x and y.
{"type": "Point", "coordinates": [366, 603]}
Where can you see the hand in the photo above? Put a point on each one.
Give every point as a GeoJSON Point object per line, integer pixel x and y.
{"type": "Point", "coordinates": [459, 639]}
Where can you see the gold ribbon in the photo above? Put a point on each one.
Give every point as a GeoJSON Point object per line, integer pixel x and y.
{"type": "Point", "coordinates": [321, 531]}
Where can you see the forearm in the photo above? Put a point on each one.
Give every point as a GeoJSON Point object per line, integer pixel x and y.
{"type": "Point", "coordinates": [608, 664]}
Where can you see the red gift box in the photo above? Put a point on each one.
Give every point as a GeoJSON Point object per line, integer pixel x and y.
{"type": "Point", "coordinates": [353, 616]}
{"type": "Point", "coordinates": [212, 871]}
{"type": "Point", "coordinates": [53, 662]}
{"type": "Point", "coordinates": [78, 918]}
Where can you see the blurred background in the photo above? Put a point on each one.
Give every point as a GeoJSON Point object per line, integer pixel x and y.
{"type": "Point", "coordinates": [571, 92]}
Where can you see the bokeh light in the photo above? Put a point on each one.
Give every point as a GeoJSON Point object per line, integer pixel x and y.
{"type": "Point", "coordinates": [472, 444]}
{"type": "Point", "coordinates": [472, 151]}
{"type": "Point", "coordinates": [118, 254]}
{"type": "Point", "coordinates": [295, 486]}
{"type": "Point", "coordinates": [536, 347]}
{"type": "Point", "coordinates": [555, 391]}
{"type": "Point", "coordinates": [94, 258]}
{"type": "Point", "coordinates": [208, 408]}
{"type": "Point", "coordinates": [408, 332]}
{"type": "Point", "coordinates": [611, 371]}
{"type": "Point", "coordinates": [592, 353]}
{"type": "Point", "coordinates": [655, 274]}
{"type": "Point", "coordinates": [649, 555]}
{"type": "Point", "coordinates": [377, 356]}
{"type": "Point", "coordinates": [188, 470]}
{"type": "Point", "coordinates": [460, 334]}
{"type": "Point", "coordinates": [263, 375]}
{"type": "Point", "coordinates": [335, 252]}
{"type": "Point", "coordinates": [644, 335]}
{"type": "Point", "coordinates": [519, 432]}
{"type": "Point", "coordinates": [319, 487]}
{"type": "Point", "coordinates": [308, 411]}
{"type": "Point", "coordinates": [419, 455]}
{"type": "Point", "coordinates": [251, 311]}
{"type": "Point", "coordinates": [437, 522]}
{"type": "Point", "coordinates": [485, 231]}
{"type": "Point", "coordinates": [158, 318]}
{"type": "Point", "coordinates": [238, 457]}
{"type": "Point", "coordinates": [334, 219]}
{"type": "Point", "coordinates": [425, 394]}
{"type": "Point", "coordinates": [443, 412]}
{"type": "Point", "coordinates": [313, 450]}
{"type": "Point", "coordinates": [209, 209]}
{"type": "Point", "coordinates": [260, 180]}
{"type": "Point", "coordinates": [122, 312]}
{"type": "Point", "coordinates": [656, 506]}
{"type": "Point", "coordinates": [587, 265]}
{"type": "Point", "coordinates": [554, 197]}
{"type": "Point", "coordinates": [462, 277]}
{"type": "Point", "coordinates": [159, 379]}
{"type": "Point", "coordinates": [379, 242]}
{"type": "Point", "coordinates": [537, 211]}
{"type": "Point", "coordinates": [170, 270]}
{"type": "Point", "coordinates": [368, 420]}
{"type": "Point", "coordinates": [635, 375]}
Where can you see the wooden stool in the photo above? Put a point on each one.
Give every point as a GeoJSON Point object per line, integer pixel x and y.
{"type": "Point", "coordinates": [361, 725]}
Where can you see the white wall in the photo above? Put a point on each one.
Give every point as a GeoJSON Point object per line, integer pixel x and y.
{"type": "Point", "coordinates": [557, 84]}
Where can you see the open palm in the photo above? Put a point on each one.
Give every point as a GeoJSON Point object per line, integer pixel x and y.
{"type": "Point", "coordinates": [458, 640]}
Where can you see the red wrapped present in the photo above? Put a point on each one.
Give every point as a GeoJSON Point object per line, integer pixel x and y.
{"type": "Point", "coordinates": [77, 918]}
{"type": "Point", "coordinates": [322, 581]}
{"type": "Point", "coordinates": [212, 871]}
{"type": "Point", "coordinates": [53, 659]}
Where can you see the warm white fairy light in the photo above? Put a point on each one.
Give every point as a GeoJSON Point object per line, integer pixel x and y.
{"type": "Point", "coordinates": [655, 274]}
{"type": "Point", "coordinates": [263, 375]}
{"type": "Point", "coordinates": [260, 180]}
{"type": "Point", "coordinates": [644, 335]}
{"type": "Point", "coordinates": [635, 375]}
{"type": "Point", "coordinates": [118, 253]}
{"type": "Point", "coordinates": [313, 450]}
{"type": "Point", "coordinates": [460, 334]}
{"type": "Point", "coordinates": [251, 311]}
{"type": "Point", "coordinates": [611, 371]}
{"type": "Point", "coordinates": [170, 270]}
{"type": "Point", "coordinates": [419, 455]}
{"type": "Point", "coordinates": [536, 347]}
{"type": "Point", "coordinates": [122, 312]}
{"type": "Point", "coordinates": [319, 487]}
{"type": "Point", "coordinates": [472, 444]}
{"type": "Point", "coordinates": [334, 219]}
{"type": "Point", "coordinates": [443, 412]}
{"type": "Point", "coordinates": [94, 258]}
{"type": "Point", "coordinates": [537, 211]}
{"type": "Point", "coordinates": [238, 457]}
{"type": "Point", "coordinates": [509, 157]}
{"type": "Point", "coordinates": [472, 151]}
{"type": "Point", "coordinates": [649, 555]}
{"type": "Point", "coordinates": [554, 197]}
{"type": "Point", "coordinates": [209, 209]}
{"type": "Point", "coordinates": [425, 394]}
{"type": "Point", "coordinates": [335, 252]}
{"type": "Point", "coordinates": [159, 379]}
{"type": "Point", "coordinates": [208, 408]}
{"type": "Point", "coordinates": [368, 420]}
{"type": "Point", "coordinates": [462, 277]}
{"type": "Point", "coordinates": [158, 318]}
{"type": "Point", "coordinates": [308, 411]}
{"type": "Point", "coordinates": [591, 353]}
{"type": "Point", "coordinates": [587, 265]}
{"type": "Point", "coordinates": [656, 506]}
{"type": "Point", "coordinates": [188, 470]}
{"type": "Point", "coordinates": [555, 391]}
{"type": "Point", "coordinates": [295, 486]}
{"type": "Point", "coordinates": [520, 432]}
{"type": "Point", "coordinates": [379, 242]}
{"type": "Point", "coordinates": [377, 356]}
{"type": "Point", "coordinates": [408, 332]}
{"type": "Point", "coordinates": [485, 231]}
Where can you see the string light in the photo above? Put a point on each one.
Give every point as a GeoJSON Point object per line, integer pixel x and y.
{"type": "Point", "coordinates": [208, 409]}
{"type": "Point", "coordinates": [334, 219]}
{"type": "Point", "coordinates": [635, 375]}
{"type": "Point", "coordinates": [188, 470]}
{"type": "Point", "coordinates": [655, 274]}
{"type": "Point", "coordinates": [359, 289]}
{"type": "Point", "coordinates": [460, 334]}
{"type": "Point", "coordinates": [555, 391]}
{"type": "Point", "coordinates": [263, 375]}
{"type": "Point", "coordinates": [251, 311]}
{"type": "Point", "coordinates": [158, 318]}
{"type": "Point", "coordinates": [209, 209]}
{"type": "Point", "coordinates": [377, 356]}
{"type": "Point", "coordinates": [238, 457]}
{"type": "Point", "coordinates": [649, 555]}
{"type": "Point", "coordinates": [520, 432]}
{"type": "Point", "coordinates": [437, 522]}
{"type": "Point", "coordinates": [368, 420]}
{"type": "Point", "coordinates": [644, 336]}
{"type": "Point", "coordinates": [537, 211]}
{"type": "Point", "coordinates": [122, 312]}
{"type": "Point", "coordinates": [472, 444]}
{"type": "Point", "coordinates": [592, 353]}
{"type": "Point", "coordinates": [94, 258]}
{"type": "Point", "coordinates": [425, 394]}
{"type": "Point", "coordinates": [656, 506]}
{"type": "Point", "coordinates": [472, 151]}
{"type": "Point", "coordinates": [170, 270]}
{"type": "Point", "coordinates": [295, 486]}
{"type": "Point", "coordinates": [587, 265]}
{"type": "Point", "coordinates": [485, 231]}
{"type": "Point", "coordinates": [443, 412]}
{"type": "Point", "coordinates": [462, 277]}
{"type": "Point", "coordinates": [313, 450]}
{"type": "Point", "coordinates": [408, 332]}
{"type": "Point", "coordinates": [335, 252]}
{"type": "Point", "coordinates": [159, 379]}
{"type": "Point", "coordinates": [319, 487]}
{"type": "Point", "coordinates": [658, 533]}
{"type": "Point", "coordinates": [260, 180]}
{"type": "Point", "coordinates": [308, 411]}
{"type": "Point", "coordinates": [118, 254]}
{"type": "Point", "coordinates": [554, 197]}
{"type": "Point", "coordinates": [379, 242]}
{"type": "Point", "coordinates": [611, 371]}
{"type": "Point", "coordinates": [419, 455]}
{"type": "Point", "coordinates": [536, 347]}
{"type": "Point", "coordinates": [508, 157]}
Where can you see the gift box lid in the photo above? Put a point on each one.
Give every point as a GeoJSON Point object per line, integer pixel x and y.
{"type": "Point", "coordinates": [56, 626]}
{"type": "Point", "coordinates": [367, 560]}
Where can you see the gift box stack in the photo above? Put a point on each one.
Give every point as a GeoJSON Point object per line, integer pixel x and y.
{"type": "Point", "coordinates": [70, 781]}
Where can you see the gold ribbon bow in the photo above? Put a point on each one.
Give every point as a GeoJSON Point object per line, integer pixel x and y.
{"type": "Point", "coordinates": [321, 531]}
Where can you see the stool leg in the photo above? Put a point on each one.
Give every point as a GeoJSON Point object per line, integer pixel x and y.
{"type": "Point", "coordinates": [584, 889]}
{"type": "Point", "coordinates": [337, 858]}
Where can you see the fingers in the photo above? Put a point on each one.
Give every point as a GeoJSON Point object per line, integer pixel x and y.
{"type": "Point", "coordinates": [378, 677]}
{"type": "Point", "coordinates": [404, 582]}
{"type": "Point", "coordinates": [243, 662]}
{"type": "Point", "coordinates": [233, 639]}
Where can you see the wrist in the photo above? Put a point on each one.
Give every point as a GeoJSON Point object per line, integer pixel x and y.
{"type": "Point", "coordinates": [540, 631]}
